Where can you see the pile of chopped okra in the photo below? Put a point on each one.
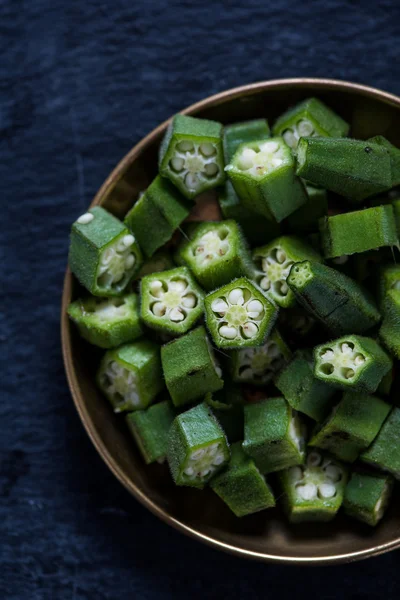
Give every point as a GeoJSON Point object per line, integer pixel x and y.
{"type": "Point", "coordinates": [262, 343]}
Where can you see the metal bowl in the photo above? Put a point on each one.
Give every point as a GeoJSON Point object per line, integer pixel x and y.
{"type": "Point", "coordinates": [264, 536]}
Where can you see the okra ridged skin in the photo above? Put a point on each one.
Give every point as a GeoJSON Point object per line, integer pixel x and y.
{"type": "Point", "coordinates": [389, 332]}
{"type": "Point", "coordinates": [394, 154]}
{"type": "Point", "coordinates": [191, 155]}
{"type": "Point", "coordinates": [263, 175]}
{"type": "Point", "coordinates": [337, 301]}
{"type": "Point", "coordinates": [306, 218]}
{"type": "Point", "coordinates": [150, 430]}
{"type": "Point", "coordinates": [302, 390]}
{"type": "Point", "coordinates": [241, 486]}
{"type": "Point", "coordinates": [273, 435]}
{"type": "Point", "coordinates": [358, 231]}
{"type": "Point", "coordinates": [384, 452]}
{"type": "Point", "coordinates": [103, 254]}
{"type": "Point", "coordinates": [190, 368]}
{"type": "Point", "coordinates": [107, 323]}
{"type": "Point", "coordinates": [353, 363]}
{"type": "Point", "coordinates": [197, 447]}
{"type": "Point", "coordinates": [352, 426]}
{"type": "Point", "coordinates": [367, 496]}
{"type": "Point", "coordinates": [240, 133]}
{"type": "Point", "coordinates": [351, 168]}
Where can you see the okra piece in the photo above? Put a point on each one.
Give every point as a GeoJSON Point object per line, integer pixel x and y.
{"type": "Point", "coordinates": [156, 215]}
{"type": "Point", "coordinates": [239, 315]}
{"type": "Point", "coordinates": [150, 430]}
{"type": "Point", "coordinates": [273, 263]}
{"type": "Point", "coordinates": [333, 298]}
{"type": "Point", "coordinates": [384, 452]}
{"type": "Point", "coordinates": [352, 363]}
{"type": "Point", "coordinates": [216, 253]}
{"type": "Point", "coordinates": [274, 435]}
{"type": "Point", "coordinates": [367, 497]}
{"type": "Point", "coordinates": [103, 254]}
{"type": "Point", "coordinates": [302, 390]}
{"type": "Point", "coordinates": [160, 261]}
{"type": "Point", "coordinates": [107, 322]}
{"type": "Point", "coordinates": [389, 279]}
{"type": "Point", "coordinates": [394, 154]}
{"type": "Point", "coordinates": [131, 376]}
{"type": "Point", "coordinates": [172, 301]}
{"type": "Point", "coordinates": [263, 175]}
{"type": "Point", "coordinates": [358, 231]}
{"type": "Point", "coordinates": [389, 332]}
{"type": "Point", "coordinates": [197, 447]}
{"type": "Point", "coordinates": [314, 492]}
{"type": "Point", "coordinates": [306, 218]}
{"type": "Point", "coordinates": [241, 486]}
{"type": "Point", "coordinates": [239, 133]}
{"type": "Point", "coordinates": [190, 367]}
{"type": "Point", "coordinates": [352, 426]}
{"type": "Point", "coordinates": [309, 118]}
{"type": "Point", "coordinates": [355, 169]}
{"type": "Point", "coordinates": [191, 155]}
{"type": "Point", "coordinates": [259, 365]}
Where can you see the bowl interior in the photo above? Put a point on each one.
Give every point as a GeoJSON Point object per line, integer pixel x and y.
{"type": "Point", "coordinates": [266, 535]}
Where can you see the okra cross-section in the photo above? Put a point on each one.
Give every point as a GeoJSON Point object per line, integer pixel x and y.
{"type": "Point", "coordinates": [274, 435]}
{"type": "Point", "coordinates": [216, 254]}
{"type": "Point", "coordinates": [107, 322]}
{"type": "Point", "coordinates": [103, 253]}
{"type": "Point", "coordinates": [239, 315]}
{"type": "Point", "coordinates": [308, 119]}
{"type": "Point", "coordinates": [241, 486]}
{"type": "Point", "coordinates": [273, 263]}
{"type": "Point", "coordinates": [314, 492]}
{"type": "Point", "coordinates": [191, 155]}
{"type": "Point", "coordinates": [352, 426]}
{"type": "Point", "coordinates": [384, 452]}
{"type": "Point", "coordinates": [131, 376]}
{"type": "Point", "coordinates": [190, 368]}
{"type": "Point", "coordinates": [239, 133]}
{"type": "Point", "coordinates": [333, 298]}
{"type": "Point", "coordinates": [263, 175]}
{"type": "Point", "coordinates": [171, 301]}
{"type": "Point", "coordinates": [367, 496]}
{"type": "Point", "coordinates": [197, 447]}
{"type": "Point", "coordinates": [150, 430]}
{"type": "Point", "coordinates": [258, 365]}
{"type": "Point", "coordinates": [352, 362]}
{"type": "Point", "coordinates": [390, 329]}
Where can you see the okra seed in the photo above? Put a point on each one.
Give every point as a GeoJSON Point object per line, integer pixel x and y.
{"type": "Point", "coordinates": [327, 490]}
{"type": "Point", "coordinates": [333, 473]}
{"type": "Point", "coordinates": [305, 128]}
{"type": "Point", "coordinates": [276, 162]}
{"type": "Point", "coordinates": [345, 348]}
{"type": "Point", "coordinates": [327, 355]}
{"type": "Point", "coordinates": [246, 160]}
{"type": "Point", "coordinates": [85, 219]}
{"type": "Point", "coordinates": [185, 146]}
{"type": "Point", "coordinates": [128, 240]}
{"type": "Point", "coordinates": [159, 309]}
{"type": "Point", "coordinates": [269, 147]}
{"type": "Point", "coordinates": [296, 473]}
{"type": "Point", "coordinates": [290, 138]}
{"type": "Point", "coordinates": [189, 301]}
{"type": "Point", "coordinates": [284, 288]}
{"type": "Point", "coordinates": [211, 169]}
{"type": "Point", "coordinates": [307, 491]}
{"type": "Point", "coordinates": [250, 330]}
{"type": "Point", "coordinates": [130, 261]}
{"type": "Point", "coordinates": [176, 315]}
{"type": "Point", "coordinates": [197, 454]}
{"type": "Point", "coordinates": [219, 306]}
{"type": "Point", "coordinates": [207, 149]}
{"type": "Point", "coordinates": [179, 285]}
{"type": "Point", "coordinates": [191, 181]}
{"type": "Point", "coordinates": [228, 332]}
{"type": "Point", "coordinates": [156, 288]}
{"type": "Point", "coordinates": [177, 164]}
{"type": "Point", "coordinates": [314, 459]}
{"type": "Point", "coordinates": [219, 459]}
{"type": "Point", "coordinates": [359, 359]}
{"type": "Point", "coordinates": [265, 283]}
{"type": "Point", "coordinates": [281, 256]}
{"type": "Point", "coordinates": [349, 373]}
{"type": "Point", "coordinates": [236, 297]}
{"type": "Point", "coordinates": [189, 471]}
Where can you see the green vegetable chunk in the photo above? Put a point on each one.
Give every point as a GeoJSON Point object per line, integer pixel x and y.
{"type": "Point", "coordinates": [107, 322]}
{"type": "Point", "coordinates": [273, 435]}
{"type": "Point", "coordinates": [241, 486]}
{"type": "Point", "coordinates": [306, 218]}
{"type": "Point", "coordinates": [389, 279]}
{"type": "Point", "coordinates": [384, 452]}
{"type": "Point", "coordinates": [197, 447]}
{"type": "Point", "coordinates": [394, 154]}
{"type": "Point", "coordinates": [367, 496]}
{"type": "Point", "coordinates": [150, 430]}
{"type": "Point", "coordinates": [239, 133]}
{"type": "Point", "coordinates": [390, 329]}
{"type": "Point", "coordinates": [103, 254]}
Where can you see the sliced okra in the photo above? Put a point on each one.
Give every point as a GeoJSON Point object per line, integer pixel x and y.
{"type": "Point", "coordinates": [394, 154]}
{"type": "Point", "coordinates": [352, 362]}
{"type": "Point", "coordinates": [384, 452]}
{"type": "Point", "coordinates": [274, 435]}
{"type": "Point", "coordinates": [131, 376]}
{"type": "Point", "coordinates": [107, 322]}
{"type": "Point", "coordinates": [307, 119]}
{"type": "Point", "coordinates": [367, 497]}
{"type": "Point", "coordinates": [172, 301]}
{"type": "Point", "coordinates": [216, 253]}
{"type": "Point", "coordinates": [241, 486]}
{"type": "Point", "coordinates": [103, 254]}
{"type": "Point", "coordinates": [259, 365]}
{"type": "Point", "coordinates": [240, 133]}
{"type": "Point", "coordinates": [352, 426]}
{"type": "Point", "coordinates": [314, 492]}
{"type": "Point", "coordinates": [190, 367]}
{"type": "Point", "coordinates": [358, 231]}
{"type": "Point", "coordinates": [156, 215]}
{"type": "Point", "coordinates": [302, 390]}
{"type": "Point", "coordinates": [306, 218]}
{"type": "Point", "coordinates": [263, 175]}
{"type": "Point", "coordinates": [354, 169]}
{"type": "Point", "coordinates": [389, 279]}
{"type": "Point", "coordinates": [389, 332]}
{"type": "Point", "coordinates": [239, 315]}
{"type": "Point", "coordinates": [160, 261]}
{"type": "Point", "coordinates": [333, 298]}
{"type": "Point", "coordinates": [197, 447]}
{"type": "Point", "coordinates": [191, 155]}
{"type": "Point", "coordinates": [150, 430]}
{"type": "Point", "coordinates": [273, 263]}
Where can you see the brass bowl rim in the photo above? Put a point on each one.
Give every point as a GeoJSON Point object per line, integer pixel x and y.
{"type": "Point", "coordinates": [323, 84]}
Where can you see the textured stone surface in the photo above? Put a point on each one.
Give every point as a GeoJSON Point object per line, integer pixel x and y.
{"type": "Point", "coordinates": [80, 82]}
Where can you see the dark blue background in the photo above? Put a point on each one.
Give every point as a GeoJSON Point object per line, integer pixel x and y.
{"type": "Point", "coordinates": [80, 82]}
